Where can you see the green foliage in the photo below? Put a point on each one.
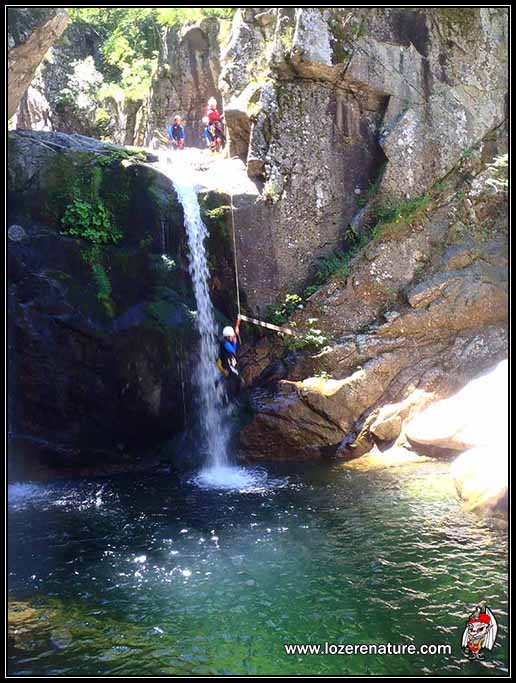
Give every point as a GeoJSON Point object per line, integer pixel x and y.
{"type": "Point", "coordinates": [287, 38]}
{"type": "Point", "coordinates": [217, 212]}
{"type": "Point", "coordinates": [337, 264]}
{"type": "Point", "coordinates": [399, 214]}
{"type": "Point", "coordinates": [130, 41]}
{"type": "Point", "coordinates": [103, 285]}
{"type": "Point", "coordinates": [309, 291]}
{"type": "Point", "coordinates": [214, 213]}
{"type": "Point", "coordinates": [278, 315]}
{"type": "Point", "coordinates": [270, 192]}
{"type": "Point", "coordinates": [93, 257]}
{"type": "Point", "coordinates": [121, 155]}
{"type": "Point", "coordinates": [176, 16]}
{"type": "Point", "coordinates": [372, 191]}
{"type": "Point", "coordinates": [90, 221]}
{"type": "Point", "coordinates": [83, 198]}
{"type": "Point", "coordinates": [311, 340]}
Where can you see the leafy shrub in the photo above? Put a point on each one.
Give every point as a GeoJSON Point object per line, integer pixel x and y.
{"type": "Point", "coordinates": [400, 213]}
{"type": "Point", "coordinates": [91, 221]}
{"type": "Point", "coordinates": [93, 257]}
{"type": "Point", "coordinates": [103, 283]}
{"type": "Point", "coordinates": [280, 314]}
{"type": "Point", "coordinates": [335, 264]}
{"type": "Point", "coordinates": [313, 339]}
{"type": "Point", "coordinates": [270, 192]}
{"type": "Point", "coordinates": [309, 291]}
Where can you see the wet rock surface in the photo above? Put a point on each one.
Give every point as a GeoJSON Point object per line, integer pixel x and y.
{"type": "Point", "coordinates": [98, 351]}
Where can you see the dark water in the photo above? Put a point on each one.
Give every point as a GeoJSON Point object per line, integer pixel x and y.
{"type": "Point", "coordinates": [154, 576]}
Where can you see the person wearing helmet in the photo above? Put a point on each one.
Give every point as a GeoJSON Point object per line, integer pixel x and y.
{"type": "Point", "coordinates": [227, 360]}
{"type": "Point", "coordinates": [176, 133]}
{"type": "Point", "coordinates": [212, 112]}
{"type": "Point", "coordinates": [215, 127]}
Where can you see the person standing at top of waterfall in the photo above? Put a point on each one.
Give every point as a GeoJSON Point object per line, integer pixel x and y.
{"type": "Point", "coordinates": [176, 133]}
{"type": "Point", "coordinates": [215, 121]}
{"type": "Point", "coordinates": [212, 112]}
{"type": "Point", "coordinates": [227, 361]}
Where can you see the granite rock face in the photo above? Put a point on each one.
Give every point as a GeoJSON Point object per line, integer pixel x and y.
{"type": "Point", "coordinates": [98, 336]}
{"type": "Point", "coordinates": [341, 101]}
{"type": "Point", "coordinates": [422, 311]}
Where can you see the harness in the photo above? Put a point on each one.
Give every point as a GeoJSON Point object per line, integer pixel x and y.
{"type": "Point", "coordinates": [226, 361]}
{"type": "Point", "coordinates": [215, 129]}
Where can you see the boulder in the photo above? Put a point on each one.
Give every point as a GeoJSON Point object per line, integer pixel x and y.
{"type": "Point", "coordinates": [468, 418]}
{"type": "Point", "coordinates": [378, 460]}
{"type": "Point", "coordinates": [481, 476]}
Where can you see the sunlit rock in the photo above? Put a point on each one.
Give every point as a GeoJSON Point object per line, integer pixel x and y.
{"type": "Point", "coordinates": [469, 419]}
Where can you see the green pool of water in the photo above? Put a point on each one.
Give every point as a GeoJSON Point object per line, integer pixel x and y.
{"type": "Point", "coordinates": [152, 575]}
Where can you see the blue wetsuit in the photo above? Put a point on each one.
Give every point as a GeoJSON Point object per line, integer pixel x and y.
{"type": "Point", "coordinates": [231, 347]}
{"type": "Point", "coordinates": [176, 132]}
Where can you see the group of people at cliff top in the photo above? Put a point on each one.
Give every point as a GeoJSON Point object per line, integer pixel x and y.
{"type": "Point", "coordinates": [213, 134]}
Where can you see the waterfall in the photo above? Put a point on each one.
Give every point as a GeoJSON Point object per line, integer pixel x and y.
{"type": "Point", "coordinates": [207, 380]}
{"type": "Point", "coordinates": [213, 416]}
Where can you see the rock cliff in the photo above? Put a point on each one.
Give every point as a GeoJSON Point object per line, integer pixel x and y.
{"type": "Point", "coordinates": [31, 33]}
{"type": "Point", "coordinates": [340, 104]}
{"type": "Point", "coordinates": [369, 186]}
{"type": "Point", "coordinates": [100, 330]}
{"type": "Point", "coordinates": [419, 312]}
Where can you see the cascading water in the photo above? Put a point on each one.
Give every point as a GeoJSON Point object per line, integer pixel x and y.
{"type": "Point", "coordinates": [213, 416]}
{"type": "Point", "coordinates": [215, 437]}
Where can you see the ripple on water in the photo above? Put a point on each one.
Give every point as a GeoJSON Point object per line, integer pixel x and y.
{"type": "Point", "coordinates": [210, 573]}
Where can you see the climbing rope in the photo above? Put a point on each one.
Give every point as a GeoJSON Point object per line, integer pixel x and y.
{"type": "Point", "coordinates": [235, 253]}
{"type": "Point", "coordinates": [254, 321]}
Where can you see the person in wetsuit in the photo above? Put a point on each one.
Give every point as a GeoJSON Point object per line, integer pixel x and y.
{"type": "Point", "coordinates": [227, 361]}
{"type": "Point", "coordinates": [176, 133]}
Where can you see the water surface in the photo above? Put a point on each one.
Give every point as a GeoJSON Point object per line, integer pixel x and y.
{"type": "Point", "coordinates": [155, 575]}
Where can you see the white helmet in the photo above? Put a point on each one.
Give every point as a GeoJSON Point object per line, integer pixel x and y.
{"type": "Point", "coordinates": [212, 102]}
{"type": "Point", "coordinates": [228, 332]}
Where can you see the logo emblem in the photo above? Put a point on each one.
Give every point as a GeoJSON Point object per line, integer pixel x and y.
{"type": "Point", "coordinates": [480, 632]}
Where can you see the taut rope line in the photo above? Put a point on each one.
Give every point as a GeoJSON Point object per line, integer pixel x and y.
{"type": "Point", "coordinates": [235, 252]}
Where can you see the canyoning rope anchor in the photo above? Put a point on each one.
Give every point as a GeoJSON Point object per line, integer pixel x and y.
{"type": "Point", "coordinates": [254, 321]}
